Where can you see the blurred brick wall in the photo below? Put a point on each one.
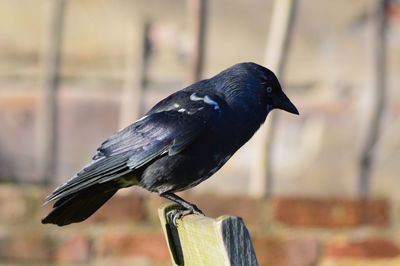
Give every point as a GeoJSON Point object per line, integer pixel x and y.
{"type": "Point", "coordinates": [126, 231]}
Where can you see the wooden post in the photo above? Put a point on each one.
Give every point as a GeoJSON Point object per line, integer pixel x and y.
{"type": "Point", "coordinates": [261, 179]}
{"type": "Point", "coordinates": [199, 240]}
{"type": "Point", "coordinates": [197, 19]}
{"type": "Point", "coordinates": [50, 60]}
{"type": "Point", "coordinates": [138, 53]}
{"type": "Point", "coordinates": [377, 28]}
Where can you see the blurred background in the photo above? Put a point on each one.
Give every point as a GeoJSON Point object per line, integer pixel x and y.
{"type": "Point", "coordinates": [316, 189]}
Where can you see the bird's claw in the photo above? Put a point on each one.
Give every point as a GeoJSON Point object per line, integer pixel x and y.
{"type": "Point", "coordinates": [180, 213]}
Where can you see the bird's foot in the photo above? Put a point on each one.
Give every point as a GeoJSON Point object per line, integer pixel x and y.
{"type": "Point", "coordinates": [187, 207]}
{"type": "Point", "coordinates": [180, 213]}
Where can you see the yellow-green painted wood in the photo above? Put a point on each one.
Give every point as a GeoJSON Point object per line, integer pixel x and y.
{"type": "Point", "coordinates": [199, 240]}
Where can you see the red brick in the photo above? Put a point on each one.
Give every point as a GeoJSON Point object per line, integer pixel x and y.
{"type": "Point", "coordinates": [127, 244]}
{"type": "Point", "coordinates": [375, 212]}
{"type": "Point", "coordinates": [369, 248]}
{"type": "Point", "coordinates": [333, 213]}
{"type": "Point", "coordinates": [273, 250]}
{"type": "Point", "coordinates": [74, 249]}
{"type": "Point", "coordinates": [26, 246]}
{"type": "Point", "coordinates": [270, 250]}
{"type": "Point", "coordinates": [122, 208]}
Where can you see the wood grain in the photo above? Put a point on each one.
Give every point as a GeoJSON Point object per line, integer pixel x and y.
{"type": "Point", "coordinates": [199, 240]}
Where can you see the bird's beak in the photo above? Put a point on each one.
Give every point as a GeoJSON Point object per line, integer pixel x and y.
{"type": "Point", "coordinates": [283, 102]}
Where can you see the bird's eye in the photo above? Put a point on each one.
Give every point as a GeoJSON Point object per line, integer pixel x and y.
{"type": "Point", "coordinates": [269, 89]}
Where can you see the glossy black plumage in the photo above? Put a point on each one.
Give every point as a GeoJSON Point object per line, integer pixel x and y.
{"type": "Point", "coordinates": [180, 142]}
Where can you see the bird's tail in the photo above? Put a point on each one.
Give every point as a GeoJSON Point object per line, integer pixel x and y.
{"type": "Point", "coordinates": [80, 205]}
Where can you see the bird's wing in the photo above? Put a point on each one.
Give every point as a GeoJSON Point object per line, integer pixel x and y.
{"type": "Point", "coordinates": [157, 134]}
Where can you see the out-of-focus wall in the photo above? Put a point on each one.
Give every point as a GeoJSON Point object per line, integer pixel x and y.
{"type": "Point", "coordinates": [126, 230]}
{"type": "Point", "coordinates": [315, 154]}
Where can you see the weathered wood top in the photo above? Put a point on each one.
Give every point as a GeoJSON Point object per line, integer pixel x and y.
{"type": "Point", "coordinates": [199, 240]}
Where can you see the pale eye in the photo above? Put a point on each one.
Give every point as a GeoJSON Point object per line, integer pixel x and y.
{"type": "Point", "coordinates": [269, 89]}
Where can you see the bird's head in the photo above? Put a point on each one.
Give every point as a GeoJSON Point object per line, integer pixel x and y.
{"type": "Point", "coordinates": [271, 93]}
{"type": "Point", "coordinates": [253, 86]}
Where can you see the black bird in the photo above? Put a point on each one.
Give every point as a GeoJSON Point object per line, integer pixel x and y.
{"type": "Point", "coordinates": [180, 142]}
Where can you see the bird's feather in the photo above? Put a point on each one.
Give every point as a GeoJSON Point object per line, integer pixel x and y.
{"type": "Point", "coordinates": [79, 206]}
{"type": "Point", "coordinates": [166, 132]}
{"type": "Point", "coordinates": [182, 140]}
